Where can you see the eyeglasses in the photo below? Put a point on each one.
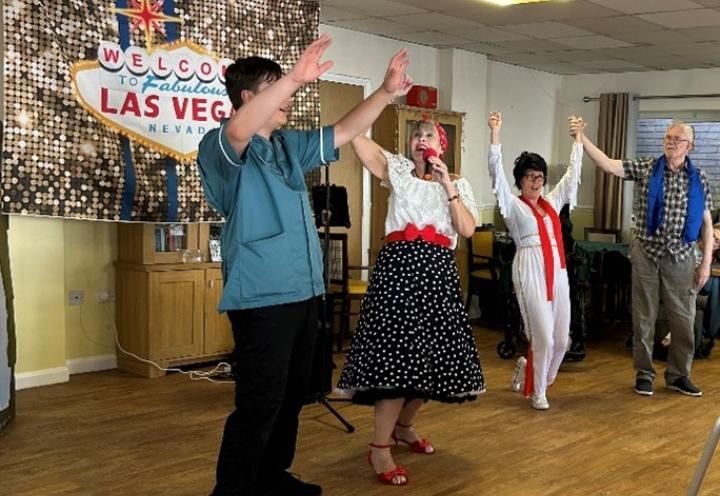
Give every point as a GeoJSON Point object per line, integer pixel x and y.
{"type": "Point", "coordinates": [675, 140]}
{"type": "Point", "coordinates": [534, 178]}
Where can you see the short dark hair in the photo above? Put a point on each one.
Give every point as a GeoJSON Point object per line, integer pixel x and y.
{"type": "Point", "coordinates": [247, 74]}
{"type": "Point", "coordinates": [528, 161]}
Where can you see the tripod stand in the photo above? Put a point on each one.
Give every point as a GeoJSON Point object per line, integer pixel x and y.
{"type": "Point", "coordinates": [325, 351]}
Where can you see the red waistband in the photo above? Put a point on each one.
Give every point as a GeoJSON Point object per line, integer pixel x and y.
{"type": "Point", "coordinates": [412, 233]}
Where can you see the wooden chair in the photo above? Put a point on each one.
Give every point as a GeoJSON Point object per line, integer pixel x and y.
{"type": "Point", "coordinates": [602, 235]}
{"type": "Point", "coordinates": [343, 289]}
{"type": "Point", "coordinates": [483, 268]}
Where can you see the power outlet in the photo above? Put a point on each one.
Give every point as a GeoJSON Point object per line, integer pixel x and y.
{"type": "Point", "coordinates": [76, 297]}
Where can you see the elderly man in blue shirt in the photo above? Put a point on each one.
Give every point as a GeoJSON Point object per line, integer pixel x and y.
{"type": "Point", "coordinates": [253, 175]}
{"type": "Point", "coordinates": [674, 206]}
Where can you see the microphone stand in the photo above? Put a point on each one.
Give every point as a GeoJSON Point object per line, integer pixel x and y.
{"type": "Point", "coordinates": [326, 316]}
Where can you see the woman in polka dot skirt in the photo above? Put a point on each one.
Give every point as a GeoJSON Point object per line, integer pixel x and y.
{"type": "Point", "coordinates": [414, 341]}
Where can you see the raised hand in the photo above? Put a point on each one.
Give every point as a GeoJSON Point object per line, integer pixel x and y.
{"type": "Point", "coordinates": [308, 67]}
{"type": "Point", "coordinates": [577, 127]}
{"type": "Point", "coordinates": [495, 121]}
{"type": "Point", "coordinates": [396, 81]}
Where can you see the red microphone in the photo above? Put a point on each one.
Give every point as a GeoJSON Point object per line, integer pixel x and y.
{"type": "Point", "coordinates": [427, 153]}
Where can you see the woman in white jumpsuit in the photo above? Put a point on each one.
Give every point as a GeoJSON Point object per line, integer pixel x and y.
{"type": "Point", "coordinates": [538, 272]}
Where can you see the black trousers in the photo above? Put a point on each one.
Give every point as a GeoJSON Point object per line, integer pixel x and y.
{"type": "Point", "coordinates": [272, 363]}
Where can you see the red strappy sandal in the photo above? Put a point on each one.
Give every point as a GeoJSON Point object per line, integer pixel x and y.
{"type": "Point", "coordinates": [420, 446]}
{"type": "Point", "coordinates": [390, 476]}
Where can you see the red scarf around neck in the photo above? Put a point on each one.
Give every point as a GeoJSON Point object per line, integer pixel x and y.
{"type": "Point", "coordinates": [545, 241]}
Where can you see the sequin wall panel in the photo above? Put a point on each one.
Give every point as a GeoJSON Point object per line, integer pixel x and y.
{"type": "Point", "coordinates": [106, 101]}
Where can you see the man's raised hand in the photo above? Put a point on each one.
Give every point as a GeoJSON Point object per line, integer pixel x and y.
{"type": "Point", "coordinates": [309, 67]}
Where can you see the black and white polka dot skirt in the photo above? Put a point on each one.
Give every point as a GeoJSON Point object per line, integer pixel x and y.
{"type": "Point", "coordinates": [413, 339]}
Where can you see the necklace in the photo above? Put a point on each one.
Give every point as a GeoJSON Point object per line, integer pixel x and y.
{"type": "Point", "coordinates": [426, 177]}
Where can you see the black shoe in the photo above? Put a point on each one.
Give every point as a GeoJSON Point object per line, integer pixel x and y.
{"type": "Point", "coordinates": [684, 386]}
{"type": "Point", "coordinates": [289, 484]}
{"type": "Point", "coordinates": [644, 386]}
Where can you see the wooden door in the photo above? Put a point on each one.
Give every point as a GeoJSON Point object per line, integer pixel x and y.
{"type": "Point", "coordinates": [337, 99]}
{"type": "Point", "coordinates": [385, 132]}
{"type": "Point", "coordinates": [218, 332]}
{"type": "Point", "coordinates": [176, 308]}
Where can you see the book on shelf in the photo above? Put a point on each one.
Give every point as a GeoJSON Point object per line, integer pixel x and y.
{"type": "Point", "coordinates": [160, 239]}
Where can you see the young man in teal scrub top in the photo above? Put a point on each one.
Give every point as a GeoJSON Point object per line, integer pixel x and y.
{"type": "Point", "coordinates": [253, 174]}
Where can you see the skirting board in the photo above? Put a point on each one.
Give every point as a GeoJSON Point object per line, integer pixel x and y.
{"type": "Point", "coordinates": [46, 377]}
{"type": "Point", "coordinates": [91, 364]}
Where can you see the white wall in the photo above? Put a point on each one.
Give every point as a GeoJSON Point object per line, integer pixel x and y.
{"type": "Point", "coordinates": [364, 55]}
{"type": "Point", "coordinates": [462, 89]}
{"type": "Point", "coordinates": [528, 101]}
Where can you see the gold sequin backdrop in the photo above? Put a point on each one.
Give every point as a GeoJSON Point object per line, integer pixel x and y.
{"type": "Point", "coordinates": [58, 160]}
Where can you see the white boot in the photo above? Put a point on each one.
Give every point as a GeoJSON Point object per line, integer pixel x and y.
{"type": "Point", "coordinates": [518, 377]}
{"type": "Point", "coordinates": [539, 402]}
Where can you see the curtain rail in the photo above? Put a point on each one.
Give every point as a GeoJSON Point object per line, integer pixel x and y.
{"type": "Point", "coordinates": [587, 99]}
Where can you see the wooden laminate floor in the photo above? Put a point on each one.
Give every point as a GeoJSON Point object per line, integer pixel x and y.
{"type": "Point", "coordinates": [111, 433]}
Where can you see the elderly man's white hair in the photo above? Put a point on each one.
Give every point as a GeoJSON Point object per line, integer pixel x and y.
{"type": "Point", "coordinates": [687, 129]}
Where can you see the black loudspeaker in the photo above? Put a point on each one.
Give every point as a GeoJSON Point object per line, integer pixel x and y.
{"type": "Point", "coordinates": [338, 206]}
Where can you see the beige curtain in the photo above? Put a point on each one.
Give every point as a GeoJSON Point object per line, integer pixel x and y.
{"type": "Point", "coordinates": [612, 134]}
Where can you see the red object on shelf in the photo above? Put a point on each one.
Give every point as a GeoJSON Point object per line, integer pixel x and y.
{"type": "Point", "coordinates": [422, 96]}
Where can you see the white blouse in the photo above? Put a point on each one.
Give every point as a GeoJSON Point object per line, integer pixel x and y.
{"type": "Point", "coordinates": [416, 201]}
{"type": "Point", "coordinates": [519, 218]}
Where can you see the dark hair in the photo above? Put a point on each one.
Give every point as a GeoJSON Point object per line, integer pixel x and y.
{"type": "Point", "coordinates": [247, 74]}
{"type": "Point", "coordinates": [528, 161]}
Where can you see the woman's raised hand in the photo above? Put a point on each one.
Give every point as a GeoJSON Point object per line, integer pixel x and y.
{"type": "Point", "coordinates": [495, 121]}
{"type": "Point", "coordinates": [577, 127]}
{"type": "Point", "coordinates": [396, 81]}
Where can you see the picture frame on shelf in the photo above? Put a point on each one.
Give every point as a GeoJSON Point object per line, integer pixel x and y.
{"type": "Point", "coordinates": [215, 250]}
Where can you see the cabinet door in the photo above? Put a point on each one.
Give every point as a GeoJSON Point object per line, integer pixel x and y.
{"type": "Point", "coordinates": [176, 307]}
{"type": "Point", "coordinates": [218, 332]}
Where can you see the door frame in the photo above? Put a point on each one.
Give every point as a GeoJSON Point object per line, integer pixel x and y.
{"type": "Point", "coordinates": [366, 84]}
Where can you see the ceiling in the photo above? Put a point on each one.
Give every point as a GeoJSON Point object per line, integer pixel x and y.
{"type": "Point", "coordinates": [562, 37]}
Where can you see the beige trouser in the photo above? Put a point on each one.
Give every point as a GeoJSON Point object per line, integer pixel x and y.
{"type": "Point", "coordinates": [677, 281]}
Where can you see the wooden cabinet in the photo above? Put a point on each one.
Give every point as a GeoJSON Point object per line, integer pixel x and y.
{"type": "Point", "coordinates": [392, 131]}
{"type": "Point", "coordinates": [167, 312]}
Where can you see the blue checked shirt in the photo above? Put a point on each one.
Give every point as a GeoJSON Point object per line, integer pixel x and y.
{"type": "Point", "coordinates": [668, 240]}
